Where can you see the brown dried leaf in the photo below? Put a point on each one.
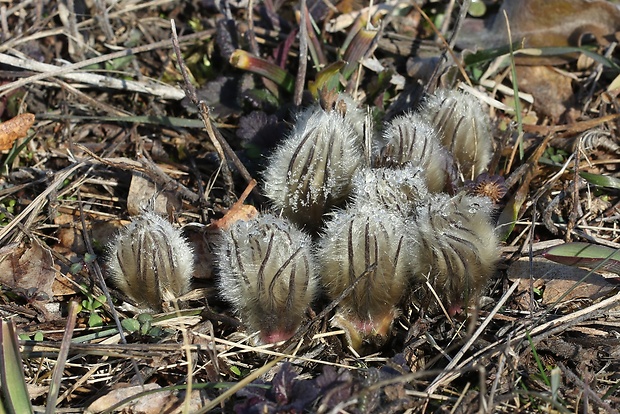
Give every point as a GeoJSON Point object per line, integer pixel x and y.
{"type": "Point", "coordinates": [238, 211]}
{"type": "Point", "coordinates": [14, 129]}
{"type": "Point", "coordinates": [549, 23]}
{"type": "Point", "coordinates": [556, 279]}
{"type": "Point", "coordinates": [552, 91]}
{"type": "Point", "coordinates": [143, 191]}
{"type": "Point", "coordinates": [29, 267]}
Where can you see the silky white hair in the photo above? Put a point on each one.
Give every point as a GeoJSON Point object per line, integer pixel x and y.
{"type": "Point", "coordinates": [150, 261]}
{"type": "Point", "coordinates": [464, 126]}
{"type": "Point", "coordinates": [353, 242]}
{"type": "Point", "coordinates": [268, 274]}
{"type": "Point", "coordinates": [457, 245]}
{"type": "Point", "coordinates": [410, 138]}
{"type": "Point", "coordinates": [312, 170]}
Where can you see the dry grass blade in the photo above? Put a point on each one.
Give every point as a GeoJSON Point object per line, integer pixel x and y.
{"type": "Point", "coordinates": [59, 368]}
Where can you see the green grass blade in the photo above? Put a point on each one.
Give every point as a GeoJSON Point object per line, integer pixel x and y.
{"type": "Point", "coordinates": [13, 383]}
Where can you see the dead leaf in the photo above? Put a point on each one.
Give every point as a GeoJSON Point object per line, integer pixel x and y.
{"type": "Point", "coordinates": [29, 267]}
{"type": "Point", "coordinates": [14, 129]}
{"type": "Point", "coordinates": [238, 211]}
{"type": "Point", "coordinates": [549, 23]}
{"type": "Point", "coordinates": [555, 279]}
{"type": "Point", "coordinates": [151, 403]}
{"type": "Point", "coordinates": [143, 191]}
{"type": "Point", "coordinates": [552, 91]}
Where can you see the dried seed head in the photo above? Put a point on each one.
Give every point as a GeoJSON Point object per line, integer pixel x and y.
{"type": "Point", "coordinates": [370, 243]}
{"type": "Point", "coordinates": [312, 170]}
{"type": "Point", "coordinates": [492, 186]}
{"type": "Point", "coordinates": [458, 248]}
{"type": "Point", "coordinates": [464, 128]}
{"type": "Point", "coordinates": [396, 190]}
{"type": "Point", "coordinates": [150, 261]}
{"type": "Point", "coordinates": [267, 273]}
{"type": "Point", "coordinates": [410, 138]}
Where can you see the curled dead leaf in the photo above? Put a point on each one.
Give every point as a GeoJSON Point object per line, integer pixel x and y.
{"type": "Point", "coordinates": [14, 129]}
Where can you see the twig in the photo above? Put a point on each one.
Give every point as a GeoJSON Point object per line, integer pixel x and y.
{"type": "Point", "coordinates": [300, 80]}
{"type": "Point", "coordinates": [58, 71]}
{"type": "Point", "coordinates": [100, 81]}
{"type": "Point", "coordinates": [218, 141]}
{"type": "Point", "coordinates": [449, 44]}
{"type": "Point", "coordinates": [52, 396]}
{"type": "Point", "coordinates": [457, 358]}
{"type": "Point", "coordinates": [587, 389]}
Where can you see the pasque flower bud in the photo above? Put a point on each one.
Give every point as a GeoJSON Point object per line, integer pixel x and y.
{"type": "Point", "coordinates": [150, 261]}
{"type": "Point", "coordinates": [267, 272]}
{"type": "Point", "coordinates": [410, 138]}
{"type": "Point", "coordinates": [464, 128]}
{"type": "Point", "coordinates": [311, 170]}
{"type": "Point", "coordinates": [366, 242]}
{"type": "Point", "coordinates": [457, 246]}
{"type": "Point", "coordinates": [392, 189]}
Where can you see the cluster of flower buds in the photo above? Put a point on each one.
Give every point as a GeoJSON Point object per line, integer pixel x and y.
{"type": "Point", "coordinates": [396, 230]}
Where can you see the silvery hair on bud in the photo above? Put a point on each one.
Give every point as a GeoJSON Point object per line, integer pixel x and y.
{"type": "Point", "coordinates": [354, 241]}
{"type": "Point", "coordinates": [267, 272]}
{"type": "Point", "coordinates": [311, 171]}
{"type": "Point", "coordinates": [150, 261]}
{"type": "Point", "coordinates": [410, 138]}
{"type": "Point", "coordinates": [464, 127]}
{"type": "Point", "coordinates": [392, 189]}
{"type": "Point", "coordinates": [458, 248]}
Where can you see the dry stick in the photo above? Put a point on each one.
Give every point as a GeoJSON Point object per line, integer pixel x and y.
{"type": "Point", "coordinates": [250, 32]}
{"type": "Point", "coordinates": [449, 44]}
{"type": "Point", "coordinates": [217, 139]}
{"type": "Point", "coordinates": [61, 30]}
{"type": "Point", "coordinates": [587, 389]}
{"type": "Point", "coordinates": [58, 71]}
{"type": "Point", "coordinates": [457, 358]}
{"type": "Point", "coordinates": [300, 80]}
{"type": "Point", "coordinates": [543, 331]}
{"type": "Point", "coordinates": [96, 270]}
{"type": "Point", "coordinates": [52, 396]}
{"type": "Point", "coordinates": [101, 81]}
{"type": "Point", "coordinates": [38, 202]}
{"type": "Point", "coordinates": [160, 177]}
{"type": "Point", "coordinates": [152, 170]}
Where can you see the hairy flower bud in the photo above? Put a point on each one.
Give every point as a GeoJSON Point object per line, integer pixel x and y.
{"type": "Point", "coordinates": [464, 128]}
{"type": "Point", "coordinates": [458, 248]}
{"type": "Point", "coordinates": [311, 171]}
{"type": "Point", "coordinates": [410, 138]}
{"type": "Point", "coordinates": [150, 261]}
{"type": "Point", "coordinates": [392, 189]}
{"type": "Point", "coordinates": [367, 243]}
{"type": "Point", "coordinates": [267, 272]}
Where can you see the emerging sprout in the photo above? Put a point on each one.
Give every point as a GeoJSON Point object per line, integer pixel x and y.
{"type": "Point", "coordinates": [150, 261]}
{"type": "Point", "coordinates": [312, 170]}
{"type": "Point", "coordinates": [464, 126]}
{"type": "Point", "coordinates": [410, 138]}
{"type": "Point", "coordinates": [367, 243]}
{"type": "Point", "coordinates": [267, 273]}
{"type": "Point", "coordinates": [396, 190]}
{"type": "Point", "coordinates": [458, 248]}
